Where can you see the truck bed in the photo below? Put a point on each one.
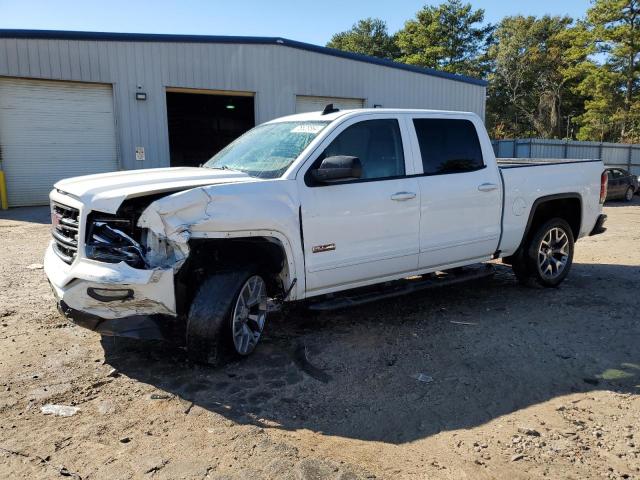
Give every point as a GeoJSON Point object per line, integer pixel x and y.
{"type": "Point", "coordinates": [527, 180]}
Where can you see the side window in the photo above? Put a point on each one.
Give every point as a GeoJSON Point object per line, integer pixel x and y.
{"type": "Point", "coordinates": [448, 146]}
{"type": "Point", "coordinates": [378, 145]}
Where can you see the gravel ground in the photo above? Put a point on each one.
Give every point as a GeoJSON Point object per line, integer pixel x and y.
{"type": "Point", "coordinates": [521, 383]}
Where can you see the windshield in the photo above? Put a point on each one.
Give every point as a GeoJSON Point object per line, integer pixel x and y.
{"type": "Point", "coordinates": [267, 150]}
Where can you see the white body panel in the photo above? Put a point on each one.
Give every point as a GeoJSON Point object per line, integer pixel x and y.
{"type": "Point", "coordinates": [459, 212]}
{"type": "Point", "coordinates": [371, 234]}
{"type": "Point", "coordinates": [445, 221]}
{"type": "Point", "coordinates": [105, 192]}
{"type": "Point", "coordinates": [526, 184]}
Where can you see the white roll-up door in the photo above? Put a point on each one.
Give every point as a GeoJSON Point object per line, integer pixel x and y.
{"type": "Point", "coordinates": [306, 103]}
{"type": "Point", "coordinates": [53, 130]}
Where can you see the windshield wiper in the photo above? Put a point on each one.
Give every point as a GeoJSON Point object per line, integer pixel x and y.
{"type": "Point", "coordinates": [224, 167]}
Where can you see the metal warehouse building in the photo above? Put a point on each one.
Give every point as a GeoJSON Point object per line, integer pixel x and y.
{"type": "Point", "coordinates": [75, 103]}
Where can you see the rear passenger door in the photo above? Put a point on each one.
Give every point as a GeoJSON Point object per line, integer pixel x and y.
{"type": "Point", "coordinates": [460, 196]}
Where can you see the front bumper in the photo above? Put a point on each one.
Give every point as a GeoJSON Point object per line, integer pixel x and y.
{"type": "Point", "coordinates": [599, 226]}
{"type": "Point", "coordinates": [151, 291]}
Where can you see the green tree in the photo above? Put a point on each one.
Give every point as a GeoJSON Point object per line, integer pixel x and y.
{"type": "Point", "coordinates": [612, 109]}
{"type": "Point", "coordinates": [538, 65]}
{"type": "Point", "coordinates": [368, 37]}
{"type": "Point", "coordinates": [604, 113]}
{"type": "Point", "coordinates": [450, 37]}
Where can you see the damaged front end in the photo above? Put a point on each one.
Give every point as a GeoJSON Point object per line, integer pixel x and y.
{"type": "Point", "coordinates": [138, 266]}
{"type": "Point", "coordinates": [115, 238]}
{"type": "Point", "coordinates": [122, 280]}
{"type": "Point", "coordinates": [108, 242]}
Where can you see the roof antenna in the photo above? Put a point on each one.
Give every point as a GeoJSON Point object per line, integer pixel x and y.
{"type": "Point", "coordinates": [329, 109]}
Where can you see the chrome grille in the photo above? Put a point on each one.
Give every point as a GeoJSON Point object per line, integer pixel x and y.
{"type": "Point", "coordinates": [64, 229]}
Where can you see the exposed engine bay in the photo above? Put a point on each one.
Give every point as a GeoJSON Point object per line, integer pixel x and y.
{"type": "Point", "coordinates": [115, 238]}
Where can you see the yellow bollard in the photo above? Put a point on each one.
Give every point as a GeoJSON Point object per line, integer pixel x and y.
{"type": "Point", "coordinates": [4, 203]}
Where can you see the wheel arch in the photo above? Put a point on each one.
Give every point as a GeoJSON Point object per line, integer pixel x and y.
{"type": "Point", "coordinates": [564, 205]}
{"type": "Point", "coordinates": [270, 252]}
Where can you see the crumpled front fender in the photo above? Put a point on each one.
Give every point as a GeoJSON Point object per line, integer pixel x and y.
{"type": "Point", "coordinates": [169, 221]}
{"type": "Point", "coordinates": [250, 209]}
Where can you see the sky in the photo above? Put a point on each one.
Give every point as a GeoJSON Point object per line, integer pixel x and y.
{"type": "Point", "coordinates": [305, 21]}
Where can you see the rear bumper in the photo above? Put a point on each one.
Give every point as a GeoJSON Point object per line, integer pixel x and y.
{"type": "Point", "coordinates": [599, 226]}
{"type": "Point", "coordinates": [147, 327]}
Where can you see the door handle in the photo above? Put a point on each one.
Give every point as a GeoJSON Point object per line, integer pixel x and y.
{"type": "Point", "coordinates": [487, 187]}
{"type": "Point", "coordinates": [403, 196]}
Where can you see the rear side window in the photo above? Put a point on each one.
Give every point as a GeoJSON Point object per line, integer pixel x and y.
{"type": "Point", "coordinates": [448, 146]}
{"type": "Point", "coordinates": [378, 145]}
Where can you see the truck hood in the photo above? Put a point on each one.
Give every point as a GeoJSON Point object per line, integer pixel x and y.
{"type": "Point", "coordinates": [105, 192]}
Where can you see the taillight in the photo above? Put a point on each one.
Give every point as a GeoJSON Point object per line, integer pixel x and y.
{"type": "Point", "coordinates": [604, 183]}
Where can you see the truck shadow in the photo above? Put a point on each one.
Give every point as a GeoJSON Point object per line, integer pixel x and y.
{"type": "Point", "coordinates": [484, 350]}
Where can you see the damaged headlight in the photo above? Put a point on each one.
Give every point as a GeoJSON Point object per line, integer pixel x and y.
{"type": "Point", "coordinates": [108, 241]}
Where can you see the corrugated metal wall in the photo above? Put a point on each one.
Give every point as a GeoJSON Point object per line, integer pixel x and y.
{"type": "Point", "coordinates": [612, 154]}
{"type": "Point", "coordinates": [275, 73]}
{"type": "Point", "coordinates": [53, 130]}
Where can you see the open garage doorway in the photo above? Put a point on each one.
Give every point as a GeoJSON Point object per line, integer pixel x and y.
{"type": "Point", "coordinates": [203, 122]}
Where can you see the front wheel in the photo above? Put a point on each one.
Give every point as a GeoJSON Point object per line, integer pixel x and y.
{"type": "Point", "coordinates": [249, 315]}
{"type": "Point", "coordinates": [228, 313]}
{"type": "Point", "coordinates": [628, 195]}
{"type": "Point", "coordinates": [547, 256]}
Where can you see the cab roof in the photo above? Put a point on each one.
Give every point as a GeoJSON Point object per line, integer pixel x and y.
{"type": "Point", "coordinates": [329, 117]}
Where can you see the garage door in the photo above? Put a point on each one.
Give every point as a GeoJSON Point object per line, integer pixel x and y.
{"type": "Point", "coordinates": [53, 130]}
{"type": "Point", "coordinates": [314, 104]}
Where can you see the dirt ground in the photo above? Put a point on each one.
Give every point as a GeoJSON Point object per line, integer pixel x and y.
{"type": "Point", "coordinates": [526, 383]}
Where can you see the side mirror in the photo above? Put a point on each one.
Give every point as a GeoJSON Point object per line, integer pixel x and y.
{"type": "Point", "coordinates": [339, 167]}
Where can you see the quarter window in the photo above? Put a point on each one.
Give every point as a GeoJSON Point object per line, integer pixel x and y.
{"type": "Point", "coordinates": [378, 145]}
{"type": "Point", "coordinates": [448, 146]}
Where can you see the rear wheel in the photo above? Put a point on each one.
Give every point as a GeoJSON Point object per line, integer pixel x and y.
{"type": "Point", "coordinates": [227, 315]}
{"type": "Point", "coordinates": [628, 195]}
{"type": "Point", "coordinates": [547, 256]}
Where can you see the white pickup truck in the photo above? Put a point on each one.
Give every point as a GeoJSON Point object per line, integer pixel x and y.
{"type": "Point", "coordinates": [334, 208]}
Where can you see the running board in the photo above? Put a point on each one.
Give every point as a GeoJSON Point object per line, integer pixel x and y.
{"type": "Point", "coordinates": [403, 287]}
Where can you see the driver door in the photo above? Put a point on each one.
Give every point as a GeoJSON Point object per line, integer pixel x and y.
{"type": "Point", "coordinates": [359, 231]}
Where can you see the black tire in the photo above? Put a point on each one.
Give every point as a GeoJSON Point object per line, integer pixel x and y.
{"type": "Point", "coordinates": [527, 262]}
{"type": "Point", "coordinates": [628, 195]}
{"type": "Point", "coordinates": [208, 334]}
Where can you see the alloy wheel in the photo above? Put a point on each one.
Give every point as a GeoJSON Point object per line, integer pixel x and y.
{"type": "Point", "coordinates": [553, 253]}
{"type": "Point", "coordinates": [249, 315]}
